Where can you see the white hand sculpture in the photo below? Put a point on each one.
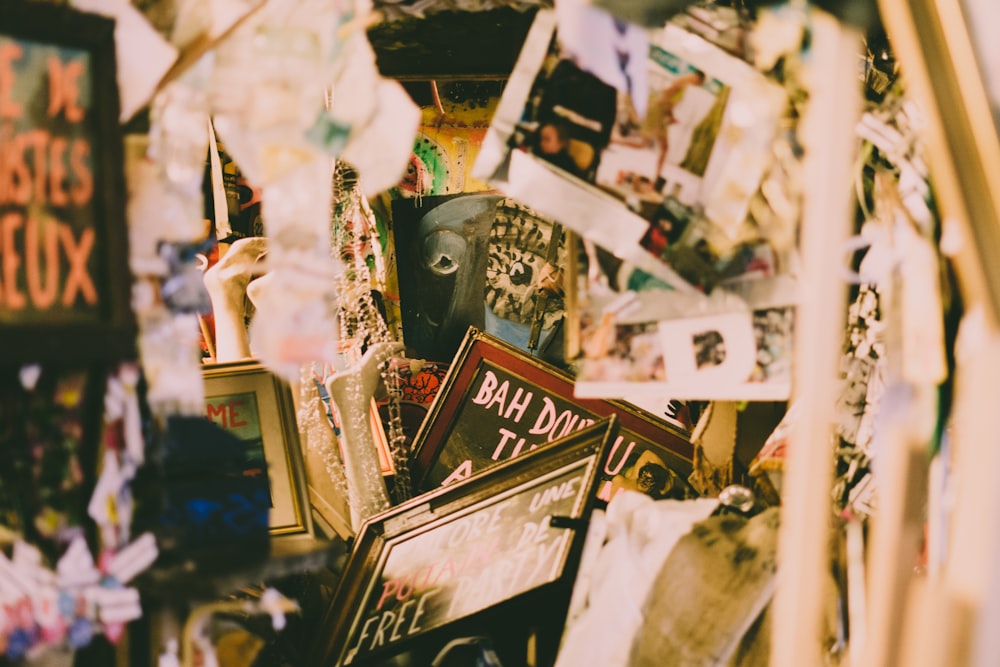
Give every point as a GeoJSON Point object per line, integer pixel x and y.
{"type": "Point", "coordinates": [226, 283]}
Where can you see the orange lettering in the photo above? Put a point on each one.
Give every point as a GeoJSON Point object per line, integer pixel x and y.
{"type": "Point", "coordinates": [38, 140]}
{"type": "Point", "coordinates": [9, 52]}
{"type": "Point", "coordinates": [11, 260]}
{"type": "Point", "coordinates": [78, 279]}
{"type": "Point", "coordinates": [18, 176]}
{"type": "Point", "coordinates": [83, 190]}
{"type": "Point", "coordinates": [64, 89]}
{"type": "Point", "coordinates": [42, 296]}
{"type": "Point", "coordinates": [57, 172]}
{"type": "Point", "coordinates": [6, 135]}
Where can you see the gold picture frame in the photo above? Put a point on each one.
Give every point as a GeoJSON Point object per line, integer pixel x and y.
{"type": "Point", "coordinates": [255, 405]}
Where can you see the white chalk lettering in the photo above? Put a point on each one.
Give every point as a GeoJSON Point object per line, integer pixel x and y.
{"type": "Point", "coordinates": [414, 628]}
{"type": "Point", "coordinates": [612, 467]}
{"type": "Point", "coordinates": [553, 494]}
{"type": "Point", "coordinates": [490, 383]}
{"type": "Point", "coordinates": [393, 622]}
{"type": "Point", "coordinates": [554, 424]}
{"type": "Point", "coordinates": [463, 471]}
{"type": "Point", "coordinates": [518, 407]}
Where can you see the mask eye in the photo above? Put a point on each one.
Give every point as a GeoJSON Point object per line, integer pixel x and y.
{"type": "Point", "coordinates": [442, 251]}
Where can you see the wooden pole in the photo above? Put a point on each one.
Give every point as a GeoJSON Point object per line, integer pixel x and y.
{"type": "Point", "coordinates": [957, 611]}
{"type": "Point", "coordinates": [831, 148]}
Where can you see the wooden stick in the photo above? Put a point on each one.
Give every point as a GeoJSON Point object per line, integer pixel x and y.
{"type": "Point", "coordinates": [209, 340]}
{"type": "Point", "coordinates": [828, 135]}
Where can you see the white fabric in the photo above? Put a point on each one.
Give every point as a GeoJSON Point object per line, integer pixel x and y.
{"type": "Point", "coordinates": [625, 551]}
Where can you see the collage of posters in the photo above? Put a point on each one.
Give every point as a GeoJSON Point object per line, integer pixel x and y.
{"type": "Point", "coordinates": [653, 164]}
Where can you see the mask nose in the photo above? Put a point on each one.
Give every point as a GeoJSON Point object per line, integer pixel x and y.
{"type": "Point", "coordinates": [442, 251]}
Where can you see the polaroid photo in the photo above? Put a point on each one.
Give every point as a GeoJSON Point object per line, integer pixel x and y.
{"type": "Point", "coordinates": [667, 190]}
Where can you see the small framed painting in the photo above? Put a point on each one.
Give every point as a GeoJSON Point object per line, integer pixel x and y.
{"type": "Point", "coordinates": [253, 404]}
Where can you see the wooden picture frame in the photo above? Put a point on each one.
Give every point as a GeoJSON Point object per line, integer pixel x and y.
{"type": "Point", "coordinates": [498, 402]}
{"type": "Point", "coordinates": [256, 406]}
{"type": "Point", "coordinates": [65, 285]}
{"type": "Point", "coordinates": [419, 568]}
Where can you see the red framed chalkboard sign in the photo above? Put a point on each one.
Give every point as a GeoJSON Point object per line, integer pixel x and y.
{"type": "Point", "coordinates": [64, 279]}
{"type": "Point", "coordinates": [421, 572]}
{"type": "Point", "coordinates": [497, 403]}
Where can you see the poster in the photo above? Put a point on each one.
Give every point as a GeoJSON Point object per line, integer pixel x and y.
{"type": "Point", "coordinates": [64, 280]}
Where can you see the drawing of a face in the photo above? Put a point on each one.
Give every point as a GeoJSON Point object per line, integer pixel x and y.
{"type": "Point", "coordinates": [518, 246]}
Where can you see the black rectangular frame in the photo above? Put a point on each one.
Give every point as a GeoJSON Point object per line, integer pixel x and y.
{"type": "Point", "coordinates": [423, 514]}
{"type": "Point", "coordinates": [113, 336]}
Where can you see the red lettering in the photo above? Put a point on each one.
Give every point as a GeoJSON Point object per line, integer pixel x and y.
{"type": "Point", "coordinates": [78, 278]}
{"type": "Point", "coordinates": [388, 588]}
{"type": "Point", "coordinates": [42, 296]}
{"type": "Point", "coordinates": [480, 554]}
{"type": "Point", "coordinates": [83, 189]}
{"type": "Point", "coordinates": [11, 260]}
{"type": "Point", "coordinates": [64, 89]}
{"type": "Point", "coordinates": [9, 52]}
{"type": "Point", "coordinates": [234, 416]}
{"type": "Point", "coordinates": [449, 566]}
{"type": "Point", "coordinates": [217, 413]}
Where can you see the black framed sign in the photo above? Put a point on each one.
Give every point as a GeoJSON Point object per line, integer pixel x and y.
{"type": "Point", "coordinates": [64, 279]}
{"type": "Point", "coordinates": [498, 402]}
{"type": "Point", "coordinates": [447, 555]}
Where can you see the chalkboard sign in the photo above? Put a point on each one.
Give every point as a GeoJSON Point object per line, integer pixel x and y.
{"type": "Point", "coordinates": [447, 555]}
{"type": "Point", "coordinates": [498, 403]}
{"type": "Point", "coordinates": [64, 280]}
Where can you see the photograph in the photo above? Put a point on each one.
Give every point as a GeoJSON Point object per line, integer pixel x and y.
{"type": "Point", "coordinates": [643, 470]}
{"type": "Point", "coordinates": [772, 329]}
{"type": "Point", "coordinates": [254, 405]}
{"type": "Point", "coordinates": [709, 348]}
{"type": "Point", "coordinates": [663, 158]}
